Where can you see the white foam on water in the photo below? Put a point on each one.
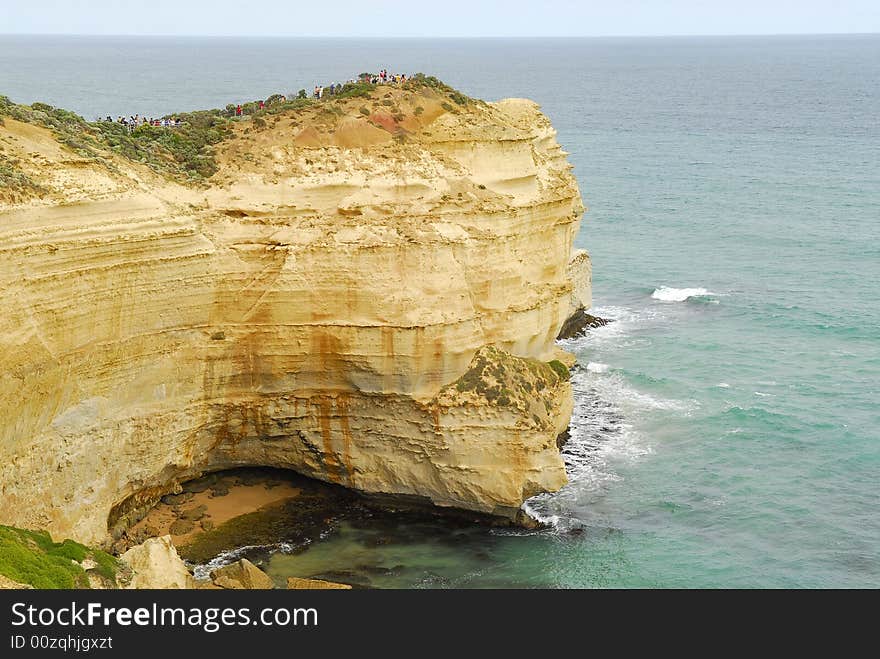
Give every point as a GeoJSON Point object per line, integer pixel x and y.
{"type": "Point", "coordinates": [623, 321]}
{"type": "Point", "coordinates": [669, 294]}
{"type": "Point", "coordinates": [762, 394]}
{"type": "Point", "coordinates": [604, 430]}
{"type": "Point", "coordinates": [231, 556]}
{"type": "Point", "coordinates": [723, 385]}
{"type": "Point", "coordinates": [224, 558]}
{"type": "Point", "coordinates": [603, 434]}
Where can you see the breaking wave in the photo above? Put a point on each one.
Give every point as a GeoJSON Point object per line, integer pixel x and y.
{"type": "Point", "coordinates": [603, 433]}
{"type": "Point", "coordinates": [204, 570]}
{"type": "Point", "coordinates": [669, 294]}
{"type": "Point", "coordinates": [604, 430]}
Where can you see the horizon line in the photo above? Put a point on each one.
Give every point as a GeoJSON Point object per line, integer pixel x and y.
{"type": "Point", "coordinates": [442, 36]}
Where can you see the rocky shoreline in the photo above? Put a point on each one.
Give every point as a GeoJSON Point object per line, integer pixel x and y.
{"type": "Point", "coordinates": [251, 514]}
{"type": "Point", "coordinates": [204, 503]}
{"type": "Point", "coordinates": [155, 564]}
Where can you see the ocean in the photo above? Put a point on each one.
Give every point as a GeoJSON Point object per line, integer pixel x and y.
{"type": "Point", "coordinates": [727, 426]}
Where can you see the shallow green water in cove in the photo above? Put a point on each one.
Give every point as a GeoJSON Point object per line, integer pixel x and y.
{"type": "Point", "coordinates": [725, 435]}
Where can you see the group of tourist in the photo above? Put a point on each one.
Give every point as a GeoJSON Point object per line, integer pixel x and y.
{"type": "Point", "coordinates": [135, 121]}
{"type": "Point", "coordinates": [383, 77]}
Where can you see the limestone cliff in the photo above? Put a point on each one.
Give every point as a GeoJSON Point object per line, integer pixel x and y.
{"type": "Point", "coordinates": [367, 291]}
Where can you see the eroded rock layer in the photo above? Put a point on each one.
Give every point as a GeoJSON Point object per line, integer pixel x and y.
{"type": "Point", "coordinates": [367, 298]}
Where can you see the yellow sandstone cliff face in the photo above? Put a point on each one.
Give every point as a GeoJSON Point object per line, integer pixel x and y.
{"type": "Point", "coordinates": [368, 309]}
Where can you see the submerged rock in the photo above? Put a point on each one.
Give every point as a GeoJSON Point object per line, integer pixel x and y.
{"type": "Point", "coordinates": [298, 583]}
{"type": "Point", "coordinates": [177, 499]}
{"type": "Point", "coordinates": [241, 575]}
{"type": "Point", "coordinates": [194, 514]}
{"type": "Point", "coordinates": [181, 527]}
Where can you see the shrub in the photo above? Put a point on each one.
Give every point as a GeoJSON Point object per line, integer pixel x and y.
{"type": "Point", "coordinates": [285, 106]}
{"type": "Point", "coordinates": [14, 180]}
{"type": "Point", "coordinates": [560, 369]}
{"type": "Point", "coordinates": [185, 151]}
{"type": "Point", "coordinates": [251, 107]}
{"type": "Point", "coordinates": [421, 80]}
{"type": "Point", "coordinates": [458, 97]}
{"type": "Point", "coordinates": [355, 90]}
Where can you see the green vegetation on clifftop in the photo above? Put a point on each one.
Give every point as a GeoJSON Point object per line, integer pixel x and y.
{"type": "Point", "coordinates": [31, 557]}
{"type": "Point", "coordinates": [184, 152]}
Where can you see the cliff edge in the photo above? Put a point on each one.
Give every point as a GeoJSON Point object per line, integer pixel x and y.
{"type": "Point", "coordinates": [365, 289]}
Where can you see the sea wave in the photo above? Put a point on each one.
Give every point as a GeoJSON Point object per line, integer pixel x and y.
{"type": "Point", "coordinates": [603, 433]}
{"type": "Point", "coordinates": [604, 429]}
{"type": "Point", "coordinates": [204, 570]}
{"type": "Point", "coordinates": [623, 321]}
{"type": "Point", "coordinates": [669, 294]}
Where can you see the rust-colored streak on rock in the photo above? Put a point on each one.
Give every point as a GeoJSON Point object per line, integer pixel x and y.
{"type": "Point", "coordinates": [389, 358]}
{"type": "Point", "coordinates": [434, 410]}
{"type": "Point", "coordinates": [342, 405]}
{"type": "Point", "coordinates": [437, 363]}
{"type": "Point", "coordinates": [324, 411]}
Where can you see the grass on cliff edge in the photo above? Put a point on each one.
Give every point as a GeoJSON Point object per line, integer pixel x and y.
{"type": "Point", "coordinates": [185, 153]}
{"type": "Point", "coordinates": [31, 557]}
{"type": "Point", "coordinates": [15, 181]}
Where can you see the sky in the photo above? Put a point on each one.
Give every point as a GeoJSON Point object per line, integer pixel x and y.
{"type": "Point", "coordinates": [443, 18]}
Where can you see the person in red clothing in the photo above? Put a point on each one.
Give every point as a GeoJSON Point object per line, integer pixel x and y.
{"type": "Point", "coordinates": [262, 105]}
{"type": "Point", "coordinates": [238, 111]}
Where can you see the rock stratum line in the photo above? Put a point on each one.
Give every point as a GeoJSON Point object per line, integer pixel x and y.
{"type": "Point", "coordinates": [367, 298]}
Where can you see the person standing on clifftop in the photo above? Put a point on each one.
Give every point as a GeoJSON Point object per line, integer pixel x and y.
{"type": "Point", "coordinates": [238, 111]}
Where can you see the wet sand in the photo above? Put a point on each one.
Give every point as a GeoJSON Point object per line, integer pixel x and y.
{"type": "Point", "coordinates": [290, 525]}
{"type": "Point", "coordinates": [210, 501]}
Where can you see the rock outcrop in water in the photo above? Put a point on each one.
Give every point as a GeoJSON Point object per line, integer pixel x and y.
{"type": "Point", "coordinates": [367, 291]}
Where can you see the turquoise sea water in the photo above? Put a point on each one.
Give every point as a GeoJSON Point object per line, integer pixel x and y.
{"type": "Point", "coordinates": [723, 436]}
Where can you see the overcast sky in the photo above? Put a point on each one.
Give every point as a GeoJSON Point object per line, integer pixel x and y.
{"type": "Point", "coordinates": [418, 18]}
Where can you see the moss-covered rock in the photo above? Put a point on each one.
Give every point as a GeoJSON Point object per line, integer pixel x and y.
{"type": "Point", "coordinates": [505, 380]}
{"type": "Point", "coordinates": [560, 369]}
